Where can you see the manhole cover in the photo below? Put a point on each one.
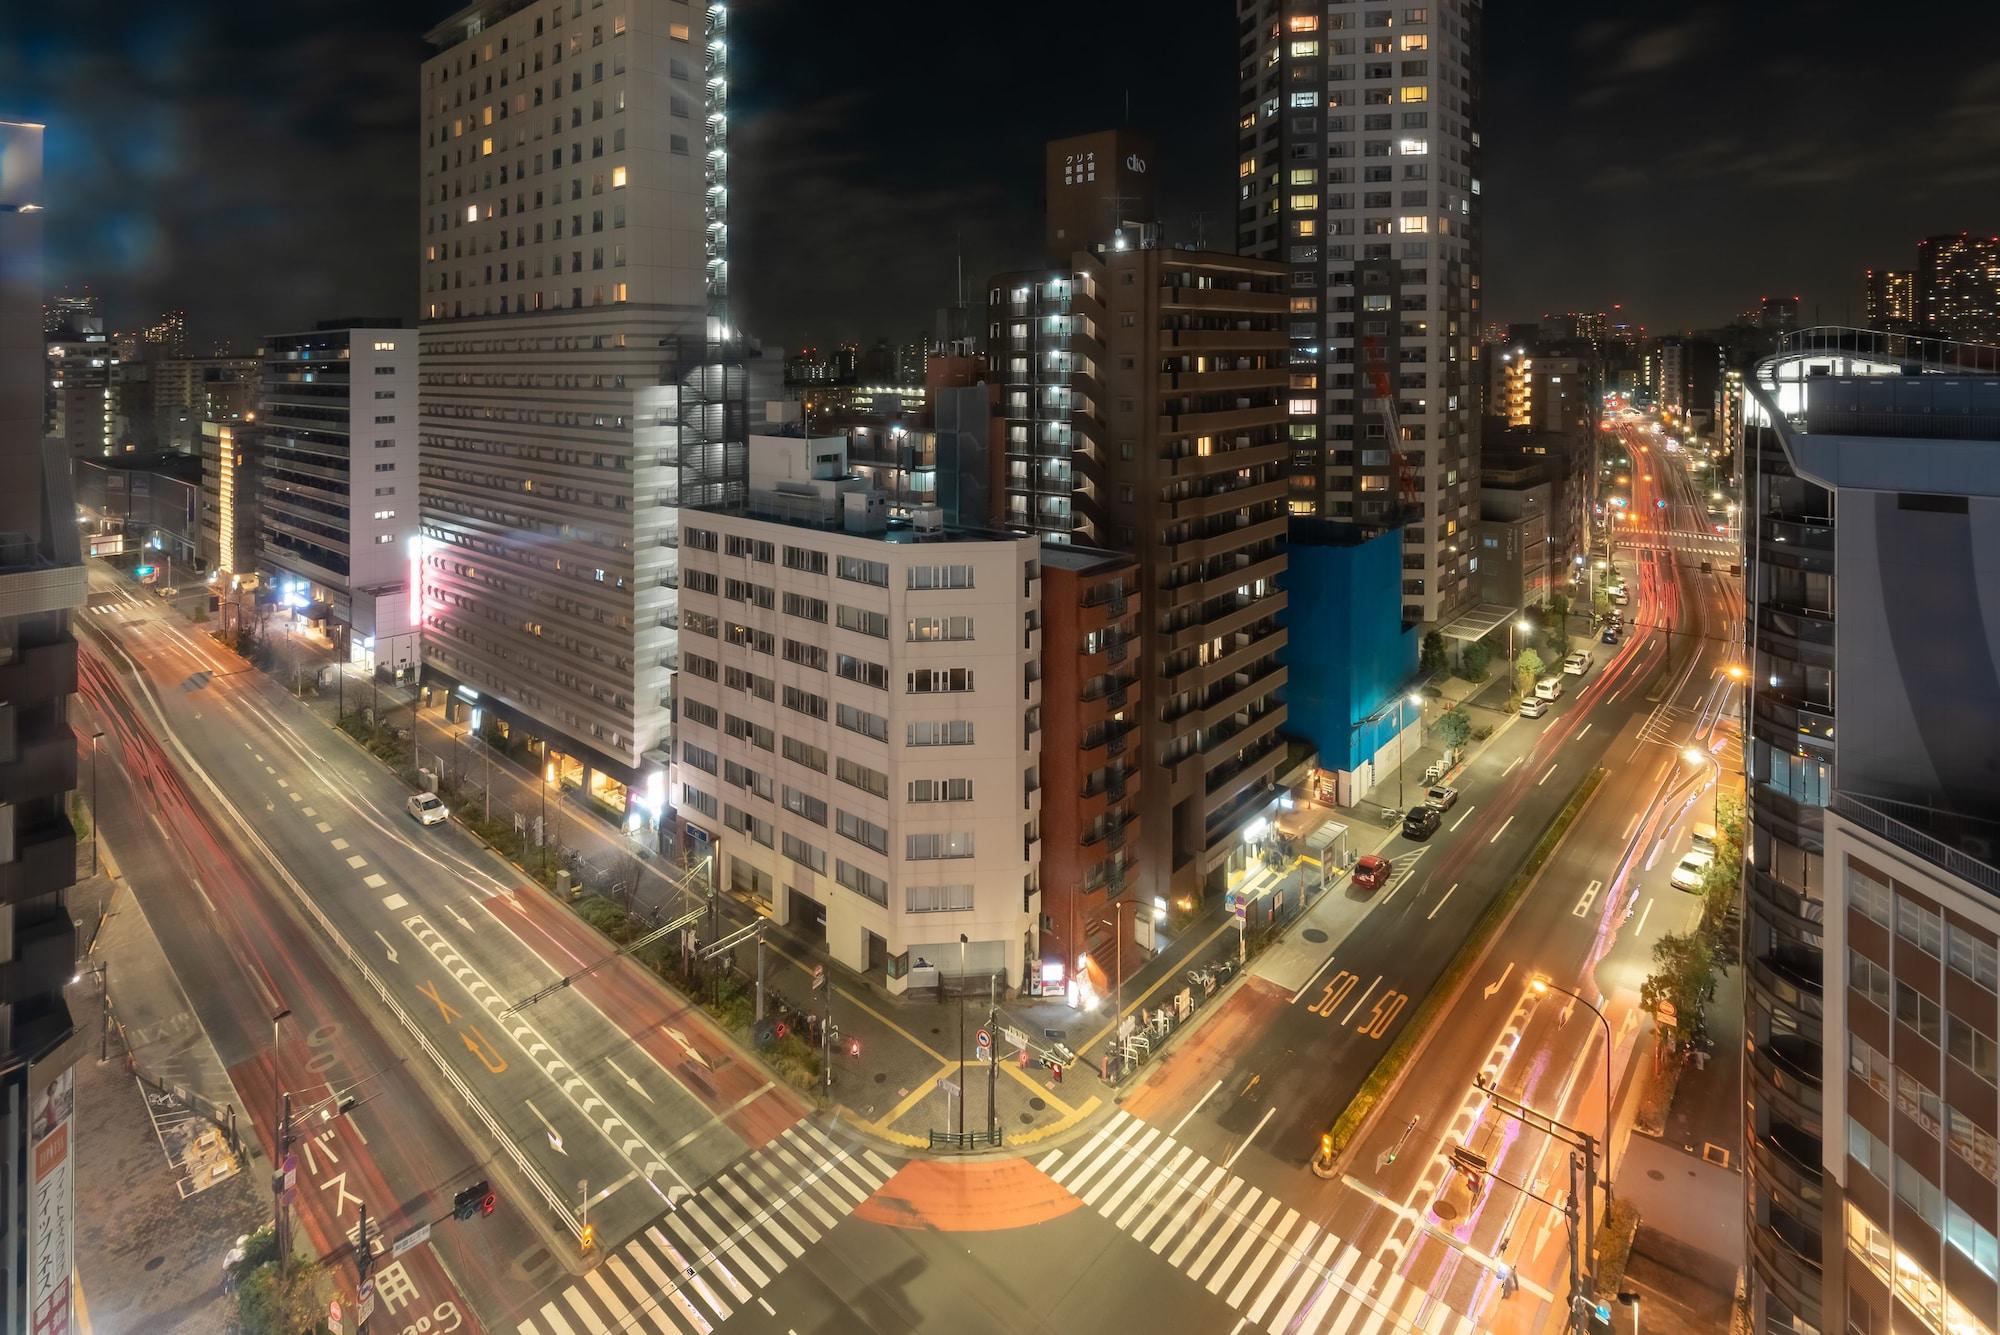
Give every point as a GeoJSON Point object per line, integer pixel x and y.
{"type": "Point", "coordinates": [1027, 1118]}
{"type": "Point", "coordinates": [1656, 1175]}
{"type": "Point", "coordinates": [936, 1030]}
{"type": "Point", "coordinates": [1038, 1103]}
{"type": "Point", "coordinates": [1314, 935]}
{"type": "Point", "coordinates": [156, 1263]}
{"type": "Point", "coordinates": [881, 1077]}
{"type": "Point", "coordinates": [1445, 1210]}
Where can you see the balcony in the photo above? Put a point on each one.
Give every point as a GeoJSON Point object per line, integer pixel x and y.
{"type": "Point", "coordinates": [1207, 340]}
{"type": "Point", "coordinates": [39, 672]}
{"type": "Point", "coordinates": [1782, 983]}
{"type": "Point", "coordinates": [1223, 299]}
{"type": "Point", "coordinates": [1786, 1256]}
{"type": "Point", "coordinates": [1235, 496]}
{"type": "Point", "coordinates": [1228, 459]}
{"type": "Point", "coordinates": [44, 859]}
{"type": "Point", "coordinates": [1241, 689]}
{"type": "Point", "coordinates": [1258, 377]}
{"type": "Point", "coordinates": [1788, 1160]}
{"type": "Point", "coordinates": [1216, 422]}
{"type": "Point", "coordinates": [1782, 1087]}
{"type": "Point", "coordinates": [43, 763]}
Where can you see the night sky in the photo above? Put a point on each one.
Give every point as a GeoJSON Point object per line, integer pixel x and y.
{"type": "Point", "coordinates": [257, 164]}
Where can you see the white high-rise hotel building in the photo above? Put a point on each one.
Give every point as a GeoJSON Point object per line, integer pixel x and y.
{"type": "Point", "coordinates": [1359, 167]}
{"type": "Point", "coordinates": [575, 388]}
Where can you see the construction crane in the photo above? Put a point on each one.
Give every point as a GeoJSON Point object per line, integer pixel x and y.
{"type": "Point", "coordinates": [1410, 501]}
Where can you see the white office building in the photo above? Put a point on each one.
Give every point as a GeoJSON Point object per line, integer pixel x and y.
{"type": "Point", "coordinates": [1359, 167]}
{"type": "Point", "coordinates": [859, 719]}
{"type": "Point", "coordinates": [575, 382]}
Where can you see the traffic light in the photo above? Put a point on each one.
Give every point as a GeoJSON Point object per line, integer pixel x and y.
{"type": "Point", "coordinates": [854, 1047]}
{"type": "Point", "coordinates": [477, 1199]}
{"type": "Point", "coordinates": [587, 1239]}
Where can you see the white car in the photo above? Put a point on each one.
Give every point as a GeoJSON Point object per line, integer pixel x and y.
{"type": "Point", "coordinates": [1534, 707]}
{"type": "Point", "coordinates": [428, 809]}
{"type": "Point", "coordinates": [1692, 869]}
{"type": "Point", "coordinates": [1576, 664]}
{"type": "Point", "coordinates": [1549, 688]}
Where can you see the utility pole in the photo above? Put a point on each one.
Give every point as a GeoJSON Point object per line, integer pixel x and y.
{"type": "Point", "coordinates": [1583, 1162]}
{"type": "Point", "coordinates": [992, 1058]}
{"type": "Point", "coordinates": [280, 1212]}
{"type": "Point", "coordinates": [825, 1030]}
{"type": "Point", "coordinates": [962, 942]}
{"type": "Point", "coordinates": [95, 737]}
{"type": "Point", "coordinates": [363, 1262]}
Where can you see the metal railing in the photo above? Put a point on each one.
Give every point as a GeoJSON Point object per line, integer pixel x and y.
{"type": "Point", "coordinates": [1870, 815]}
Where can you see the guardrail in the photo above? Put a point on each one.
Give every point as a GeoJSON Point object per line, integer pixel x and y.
{"type": "Point", "coordinates": [966, 1140]}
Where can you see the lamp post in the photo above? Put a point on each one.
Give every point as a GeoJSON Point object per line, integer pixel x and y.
{"type": "Point", "coordinates": [1520, 624]}
{"type": "Point", "coordinates": [1540, 985]}
{"type": "Point", "coordinates": [962, 941]}
{"type": "Point", "coordinates": [94, 738]}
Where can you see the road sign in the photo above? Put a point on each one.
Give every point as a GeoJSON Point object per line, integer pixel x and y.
{"type": "Point", "coordinates": [819, 975]}
{"type": "Point", "coordinates": [983, 1039]}
{"type": "Point", "coordinates": [1015, 1038]}
{"type": "Point", "coordinates": [420, 1234]}
{"type": "Point", "coordinates": [364, 1306]}
{"type": "Point", "coordinates": [333, 1313]}
{"type": "Point", "coordinates": [950, 1087]}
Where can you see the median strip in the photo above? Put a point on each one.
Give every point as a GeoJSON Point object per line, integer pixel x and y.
{"type": "Point", "coordinates": [1383, 1078]}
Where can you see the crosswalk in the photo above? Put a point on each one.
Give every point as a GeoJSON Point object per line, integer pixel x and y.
{"type": "Point", "coordinates": [716, 1250]}
{"type": "Point", "coordinates": [1275, 1268]}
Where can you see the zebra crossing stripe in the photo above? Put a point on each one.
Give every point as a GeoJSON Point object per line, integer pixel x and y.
{"type": "Point", "coordinates": [1289, 1258]}
{"type": "Point", "coordinates": [641, 1299]}
{"type": "Point", "coordinates": [1144, 1198]}
{"type": "Point", "coordinates": [1315, 1277]}
{"type": "Point", "coordinates": [1211, 1212]}
{"type": "Point", "coordinates": [1250, 1235]}
{"type": "Point", "coordinates": [1109, 1180]}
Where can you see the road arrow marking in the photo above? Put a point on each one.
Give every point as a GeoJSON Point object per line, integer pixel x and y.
{"type": "Point", "coordinates": [1495, 985]}
{"type": "Point", "coordinates": [476, 1044]}
{"type": "Point", "coordinates": [555, 1140]}
{"type": "Point", "coordinates": [687, 1047]}
{"type": "Point", "coordinates": [386, 946]}
{"type": "Point", "coordinates": [637, 1088]}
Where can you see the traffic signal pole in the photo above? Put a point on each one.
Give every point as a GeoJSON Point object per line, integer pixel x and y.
{"type": "Point", "coordinates": [280, 1215]}
{"type": "Point", "coordinates": [992, 1057]}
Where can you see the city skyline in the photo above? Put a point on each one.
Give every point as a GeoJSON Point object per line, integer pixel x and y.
{"type": "Point", "coordinates": [171, 184]}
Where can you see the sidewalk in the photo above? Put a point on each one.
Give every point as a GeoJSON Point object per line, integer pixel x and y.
{"type": "Point", "coordinates": [151, 1237]}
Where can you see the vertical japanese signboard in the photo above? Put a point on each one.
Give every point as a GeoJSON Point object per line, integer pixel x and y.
{"type": "Point", "coordinates": [51, 1205]}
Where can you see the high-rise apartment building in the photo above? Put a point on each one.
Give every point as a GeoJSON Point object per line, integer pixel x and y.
{"type": "Point", "coordinates": [336, 504]}
{"type": "Point", "coordinates": [1958, 286]}
{"type": "Point", "coordinates": [41, 579]}
{"type": "Point", "coordinates": [1871, 998]}
{"type": "Point", "coordinates": [579, 381]}
{"type": "Point", "coordinates": [166, 336]}
{"type": "Point", "coordinates": [81, 394]}
{"type": "Point", "coordinates": [188, 391]}
{"type": "Point", "coordinates": [1890, 299]}
{"type": "Point", "coordinates": [1145, 408]}
{"type": "Point", "coordinates": [859, 719]}
{"type": "Point", "coordinates": [1359, 170]}
{"type": "Point", "coordinates": [71, 313]}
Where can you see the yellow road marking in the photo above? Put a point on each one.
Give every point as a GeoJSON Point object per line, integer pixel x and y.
{"type": "Point", "coordinates": [867, 1009]}
{"type": "Point", "coordinates": [1043, 1132]}
{"type": "Point", "coordinates": [917, 1095]}
{"type": "Point", "coordinates": [1228, 925]}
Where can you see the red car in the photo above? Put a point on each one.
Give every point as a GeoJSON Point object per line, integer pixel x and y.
{"type": "Point", "coordinates": [1371, 872]}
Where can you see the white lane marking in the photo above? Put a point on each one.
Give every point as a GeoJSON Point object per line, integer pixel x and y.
{"type": "Point", "coordinates": [1440, 904]}
{"type": "Point", "coordinates": [1642, 917]}
{"type": "Point", "coordinates": [339, 844]}
{"type": "Point", "coordinates": [356, 861]}
{"type": "Point", "coordinates": [323, 828]}
{"type": "Point", "coordinates": [394, 902]}
{"type": "Point", "coordinates": [1502, 830]}
{"type": "Point", "coordinates": [1514, 766]}
{"type": "Point", "coordinates": [1357, 1005]}
{"type": "Point", "coordinates": [1545, 778]}
{"type": "Point", "coordinates": [1496, 984]}
{"type": "Point", "coordinates": [1583, 903]}
{"type": "Point", "coordinates": [307, 811]}
{"type": "Point", "coordinates": [1238, 1151]}
{"type": "Point", "coordinates": [270, 769]}
{"type": "Point", "coordinates": [1310, 981]}
{"type": "Point", "coordinates": [374, 880]}
{"type": "Point", "coordinates": [294, 796]}
{"type": "Point", "coordinates": [1579, 734]}
{"type": "Point", "coordinates": [1461, 820]}
{"type": "Point", "coordinates": [282, 783]}
{"type": "Point", "coordinates": [1630, 826]}
{"type": "Point", "coordinates": [387, 948]}
{"type": "Point", "coordinates": [1197, 1107]}
{"type": "Point", "coordinates": [768, 1309]}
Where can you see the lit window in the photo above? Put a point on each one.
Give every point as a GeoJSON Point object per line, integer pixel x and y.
{"type": "Point", "coordinates": [472, 213]}
{"type": "Point", "coordinates": [1305, 407]}
{"type": "Point", "coordinates": [617, 178]}
{"type": "Point", "coordinates": [1413, 148]}
{"type": "Point", "coordinates": [1305, 203]}
{"type": "Point", "coordinates": [1303, 100]}
{"type": "Point", "coordinates": [1247, 167]}
{"type": "Point", "coordinates": [1302, 50]}
{"type": "Point", "coordinates": [1305, 227]}
{"type": "Point", "coordinates": [486, 148]}
{"type": "Point", "coordinates": [1415, 41]}
{"type": "Point", "coordinates": [381, 346]}
{"type": "Point", "coordinates": [618, 26]}
{"type": "Point", "coordinates": [1305, 176]}
{"type": "Point", "coordinates": [618, 292]}
{"type": "Point", "coordinates": [1413, 92]}
{"type": "Point", "coordinates": [1415, 223]}
{"type": "Point", "coordinates": [678, 31]}
{"type": "Point", "coordinates": [1303, 23]}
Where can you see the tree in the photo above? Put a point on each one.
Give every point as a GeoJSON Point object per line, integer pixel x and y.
{"type": "Point", "coordinates": [1684, 979]}
{"type": "Point", "coordinates": [1729, 817]}
{"type": "Point", "coordinates": [277, 1301]}
{"type": "Point", "coordinates": [1600, 602]}
{"type": "Point", "coordinates": [1472, 660]}
{"type": "Point", "coordinates": [1527, 668]}
{"type": "Point", "coordinates": [1559, 607]}
{"type": "Point", "coordinates": [1431, 657]}
{"type": "Point", "coordinates": [1452, 728]}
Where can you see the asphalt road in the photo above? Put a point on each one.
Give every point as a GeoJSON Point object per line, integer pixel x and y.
{"type": "Point", "coordinates": [610, 1088]}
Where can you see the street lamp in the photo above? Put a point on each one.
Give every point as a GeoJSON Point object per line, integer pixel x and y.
{"type": "Point", "coordinates": [1520, 624]}
{"type": "Point", "coordinates": [1540, 985]}
{"type": "Point", "coordinates": [962, 942]}
{"type": "Point", "coordinates": [548, 777]}
{"type": "Point", "coordinates": [94, 738]}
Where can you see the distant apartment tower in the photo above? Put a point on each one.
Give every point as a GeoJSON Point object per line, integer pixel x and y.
{"type": "Point", "coordinates": [1691, 383]}
{"type": "Point", "coordinates": [336, 502]}
{"type": "Point", "coordinates": [72, 312]}
{"type": "Point", "coordinates": [166, 336]}
{"type": "Point", "coordinates": [229, 498]}
{"type": "Point", "coordinates": [1890, 299]}
{"type": "Point", "coordinates": [1145, 408]}
{"type": "Point", "coordinates": [41, 580]}
{"type": "Point", "coordinates": [1870, 932]}
{"type": "Point", "coordinates": [1958, 286]}
{"type": "Point", "coordinates": [859, 728]}
{"type": "Point", "coordinates": [188, 391]}
{"type": "Point", "coordinates": [577, 385]}
{"type": "Point", "coordinates": [81, 394]}
{"type": "Point", "coordinates": [1358, 168]}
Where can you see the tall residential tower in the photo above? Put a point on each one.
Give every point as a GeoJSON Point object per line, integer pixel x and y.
{"type": "Point", "coordinates": [1359, 170]}
{"type": "Point", "coordinates": [576, 381]}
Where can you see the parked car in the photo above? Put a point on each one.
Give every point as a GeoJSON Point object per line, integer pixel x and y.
{"type": "Point", "coordinates": [1372, 872]}
{"type": "Point", "coordinates": [1549, 688]}
{"type": "Point", "coordinates": [1612, 634]}
{"type": "Point", "coordinates": [428, 808]}
{"type": "Point", "coordinates": [1576, 664]}
{"type": "Point", "coordinates": [1704, 837]}
{"type": "Point", "coordinates": [1693, 867]}
{"type": "Point", "coordinates": [1421, 822]}
{"type": "Point", "coordinates": [1534, 707]}
{"type": "Point", "coordinates": [1443, 797]}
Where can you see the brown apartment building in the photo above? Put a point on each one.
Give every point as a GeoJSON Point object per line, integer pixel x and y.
{"type": "Point", "coordinates": [1144, 408]}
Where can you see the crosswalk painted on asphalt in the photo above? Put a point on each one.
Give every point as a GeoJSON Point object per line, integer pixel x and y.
{"type": "Point", "coordinates": [1275, 1268]}
{"type": "Point", "coordinates": [694, 1266]}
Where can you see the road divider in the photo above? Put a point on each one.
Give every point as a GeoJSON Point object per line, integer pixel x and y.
{"type": "Point", "coordinates": [1382, 1080]}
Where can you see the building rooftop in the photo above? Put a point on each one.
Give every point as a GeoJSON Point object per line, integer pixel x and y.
{"type": "Point", "coordinates": [761, 507]}
{"type": "Point", "coordinates": [1069, 556]}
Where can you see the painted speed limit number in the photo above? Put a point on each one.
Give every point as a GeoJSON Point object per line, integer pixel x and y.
{"type": "Point", "coordinates": [1381, 1010]}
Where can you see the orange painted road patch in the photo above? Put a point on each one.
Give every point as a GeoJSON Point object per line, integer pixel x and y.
{"type": "Point", "coordinates": [967, 1197]}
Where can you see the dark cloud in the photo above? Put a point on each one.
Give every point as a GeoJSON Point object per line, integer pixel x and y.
{"type": "Point", "coordinates": [257, 164]}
